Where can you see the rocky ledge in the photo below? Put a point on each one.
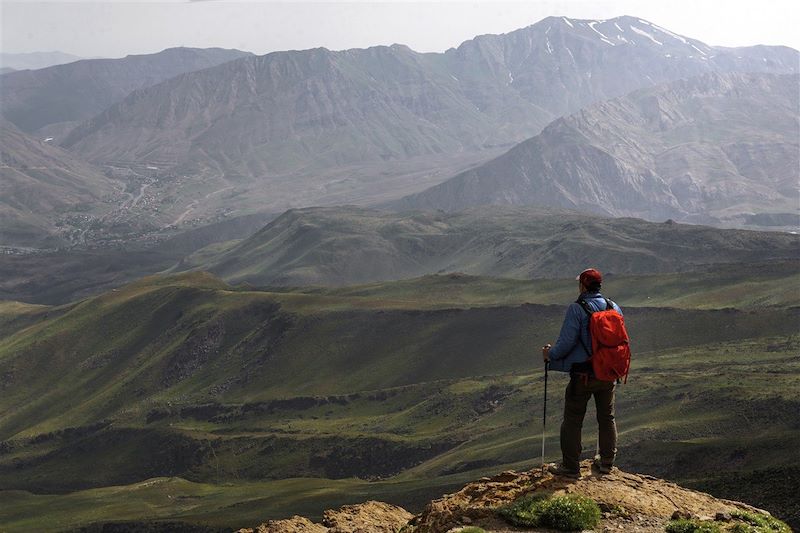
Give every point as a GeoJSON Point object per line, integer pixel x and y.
{"type": "Point", "coordinates": [629, 502]}
{"type": "Point", "coordinates": [368, 517]}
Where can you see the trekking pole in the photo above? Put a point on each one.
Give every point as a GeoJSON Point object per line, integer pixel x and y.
{"type": "Point", "coordinates": [544, 413]}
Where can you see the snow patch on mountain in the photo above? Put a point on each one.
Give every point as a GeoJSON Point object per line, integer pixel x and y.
{"type": "Point", "coordinates": [598, 32]}
{"type": "Point", "coordinates": [645, 34]}
{"type": "Point", "coordinates": [673, 35]}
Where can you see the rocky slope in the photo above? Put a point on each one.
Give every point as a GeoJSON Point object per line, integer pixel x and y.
{"type": "Point", "coordinates": [46, 194]}
{"type": "Point", "coordinates": [630, 502]}
{"type": "Point", "coordinates": [392, 102]}
{"type": "Point", "coordinates": [371, 516]}
{"type": "Point", "coordinates": [62, 95]}
{"type": "Point", "coordinates": [285, 118]}
{"type": "Point", "coordinates": [710, 149]}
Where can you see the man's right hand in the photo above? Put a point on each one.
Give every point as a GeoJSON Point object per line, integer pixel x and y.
{"type": "Point", "coordinates": [546, 353]}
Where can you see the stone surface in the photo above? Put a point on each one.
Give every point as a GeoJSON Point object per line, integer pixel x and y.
{"type": "Point", "coordinates": [295, 524]}
{"type": "Point", "coordinates": [371, 516]}
{"type": "Point", "coordinates": [642, 503]}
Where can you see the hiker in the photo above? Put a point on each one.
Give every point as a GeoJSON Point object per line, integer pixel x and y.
{"type": "Point", "coordinates": [571, 353]}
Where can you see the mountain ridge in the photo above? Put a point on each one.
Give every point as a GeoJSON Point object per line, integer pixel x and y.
{"type": "Point", "coordinates": [346, 245]}
{"type": "Point", "coordinates": [700, 149]}
{"type": "Point", "coordinates": [35, 60]}
{"type": "Point", "coordinates": [288, 119]}
{"type": "Point", "coordinates": [56, 98]}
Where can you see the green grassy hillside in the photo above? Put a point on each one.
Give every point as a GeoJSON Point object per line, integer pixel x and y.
{"type": "Point", "coordinates": [349, 245]}
{"type": "Point", "coordinates": [241, 405]}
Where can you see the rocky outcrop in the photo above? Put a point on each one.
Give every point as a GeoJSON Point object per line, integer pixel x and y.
{"type": "Point", "coordinates": [630, 502]}
{"type": "Point", "coordinates": [368, 517]}
{"type": "Point", "coordinates": [295, 524]}
{"type": "Point", "coordinates": [372, 516]}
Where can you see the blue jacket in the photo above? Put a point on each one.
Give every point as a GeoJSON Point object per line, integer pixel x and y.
{"type": "Point", "coordinates": [568, 348]}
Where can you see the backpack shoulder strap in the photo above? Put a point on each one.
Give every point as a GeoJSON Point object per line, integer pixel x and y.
{"type": "Point", "coordinates": [585, 306]}
{"type": "Point", "coordinates": [609, 304]}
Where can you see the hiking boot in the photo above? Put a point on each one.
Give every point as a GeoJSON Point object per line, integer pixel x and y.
{"type": "Point", "coordinates": [563, 471]}
{"type": "Point", "coordinates": [602, 467]}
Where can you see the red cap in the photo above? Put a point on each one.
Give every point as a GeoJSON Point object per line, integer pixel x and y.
{"type": "Point", "coordinates": [590, 276]}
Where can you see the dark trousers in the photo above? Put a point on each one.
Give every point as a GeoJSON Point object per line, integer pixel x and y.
{"type": "Point", "coordinates": [579, 391]}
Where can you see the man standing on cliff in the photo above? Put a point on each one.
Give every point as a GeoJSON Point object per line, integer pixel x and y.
{"type": "Point", "coordinates": [571, 353]}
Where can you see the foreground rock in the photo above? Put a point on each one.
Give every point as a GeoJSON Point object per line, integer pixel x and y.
{"type": "Point", "coordinates": [629, 502]}
{"type": "Point", "coordinates": [368, 517]}
{"type": "Point", "coordinates": [295, 524]}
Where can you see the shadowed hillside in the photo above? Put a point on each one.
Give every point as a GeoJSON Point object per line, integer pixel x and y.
{"type": "Point", "coordinates": [339, 246]}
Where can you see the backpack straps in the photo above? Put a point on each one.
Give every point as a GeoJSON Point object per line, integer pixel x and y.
{"type": "Point", "coordinates": [585, 306]}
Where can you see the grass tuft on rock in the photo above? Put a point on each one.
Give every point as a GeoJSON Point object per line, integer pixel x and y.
{"type": "Point", "coordinates": [692, 526]}
{"type": "Point", "coordinates": [757, 523]}
{"type": "Point", "coordinates": [565, 513]}
{"type": "Point", "coordinates": [744, 522]}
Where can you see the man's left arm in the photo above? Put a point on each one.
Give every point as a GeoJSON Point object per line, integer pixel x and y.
{"type": "Point", "coordinates": [570, 332]}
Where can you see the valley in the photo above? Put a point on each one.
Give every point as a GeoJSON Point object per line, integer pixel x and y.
{"type": "Point", "coordinates": [236, 287]}
{"type": "Point", "coordinates": [167, 147]}
{"type": "Point", "coordinates": [203, 389]}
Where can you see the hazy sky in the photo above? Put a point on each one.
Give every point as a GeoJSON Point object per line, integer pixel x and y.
{"type": "Point", "coordinates": [114, 28]}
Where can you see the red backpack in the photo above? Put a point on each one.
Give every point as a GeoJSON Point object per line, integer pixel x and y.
{"type": "Point", "coordinates": [611, 352]}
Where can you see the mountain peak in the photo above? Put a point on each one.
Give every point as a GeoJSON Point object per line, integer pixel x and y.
{"type": "Point", "coordinates": [624, 30]}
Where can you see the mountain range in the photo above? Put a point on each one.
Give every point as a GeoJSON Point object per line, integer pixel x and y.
{"type": "Point", "coordinates": [287, 110]}
{"type": "Point", "coordinates": [347, 245]}
{"type": "Point", "coordinates": [705, 149]}
{"type": "Point", "coordinates": [370, 126]}
{"type": "Point", "coordinates": [52, 100]}
{"type": "Point", "coordinates": [317, 127]}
